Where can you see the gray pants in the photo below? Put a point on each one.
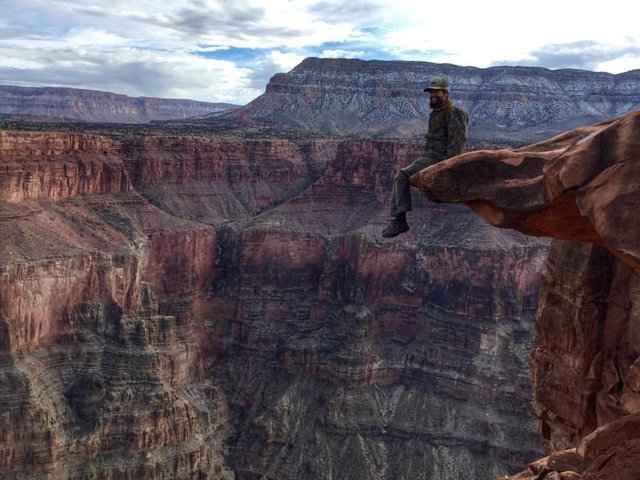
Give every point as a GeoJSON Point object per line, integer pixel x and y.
{"type": "Point", "coordinates": [401, 192]}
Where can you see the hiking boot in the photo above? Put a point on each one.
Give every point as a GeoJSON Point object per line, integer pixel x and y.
{"type": "Point", "coordinates": [395, 228]}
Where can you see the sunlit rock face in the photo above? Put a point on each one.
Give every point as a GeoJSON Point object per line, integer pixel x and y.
{"type": "Point", "coordinates": [386, 98]}
{"type": "Point", "coordinates": [582, 188]}
{"type": "Point", "coordinates": [209, 307]}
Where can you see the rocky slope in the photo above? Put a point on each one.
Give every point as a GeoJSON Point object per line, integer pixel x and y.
{"type": "Point", "coordinates": [581, 188]}
{"type": "Point", "coordinates": [217, 307]}
{"type": "Point", "coordinates": [385, 98]}
{"type": "Point", "coordinates": [72, 104]}
{"type": "Point", "coordinates": [347, 97]}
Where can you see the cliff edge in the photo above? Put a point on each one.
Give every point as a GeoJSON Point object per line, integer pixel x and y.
{"type": "Point", "coordinates": [582, 189]}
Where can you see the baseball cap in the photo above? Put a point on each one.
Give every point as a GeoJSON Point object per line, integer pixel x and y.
{"type": "Point", "coordinates": [438, 83]}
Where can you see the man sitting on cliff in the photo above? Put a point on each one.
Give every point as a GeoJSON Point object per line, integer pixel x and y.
{"type": "Point", "coordinates": [446, 137]}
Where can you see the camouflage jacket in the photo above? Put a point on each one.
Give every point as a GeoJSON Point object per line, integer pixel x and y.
{"type": "Point", "coordinates": [447, 134]}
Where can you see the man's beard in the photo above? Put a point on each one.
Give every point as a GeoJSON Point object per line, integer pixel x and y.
{"type": "Point", "coordinates": [435, 102]}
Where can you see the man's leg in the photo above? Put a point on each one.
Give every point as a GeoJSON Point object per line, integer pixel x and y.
{"type": "Point", "coordinates": [400, 194]}
{"type": "Point", "coordinates": [401, 198]}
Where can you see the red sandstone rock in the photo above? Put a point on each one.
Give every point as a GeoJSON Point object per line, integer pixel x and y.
{"type": "Point", "coordinates": [136, 338]}
{"type": "Point", "coordinates": [57, 166]}
{"type": "Point", "coordinates": [563, 465]}
{"type": "Point", "coordinates": [578, 186]}
{"type": "Point", "coordinates": [582, 185]}
{"type": "Point", "coordinates": [630, 398]}
{"type": "Point", "coordinates": [570, 476]}
{"type": "Point", "coordinates": [617, 432]}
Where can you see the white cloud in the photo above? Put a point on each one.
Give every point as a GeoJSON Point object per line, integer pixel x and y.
{"type": "Point", "coordinates": [286, 61]}
{"type": "Point", "coordinates": [620, 64]}
{"type": "Point", "coordinates": [343, 53]}
{"type": "Point", "coordinates": [92, 37]}
{"type": "Point", "coordinates": [481, 33]}
{"type": "Point", "coordinates": [132, 71]}
{"type": "Point", "coordinates": [143, 47]}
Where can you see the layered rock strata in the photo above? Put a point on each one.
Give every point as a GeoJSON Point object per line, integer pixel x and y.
{"type": "Point", "coordinates": [208, 307]}
{"type": "Point", "coordinates": [74, 104]}
{"type": "Point", "coordinates": [385, 98]}
{"type": "Point", "coordinates": [581, 188]}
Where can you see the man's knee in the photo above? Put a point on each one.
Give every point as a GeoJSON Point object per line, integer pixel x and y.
{"type": "Point", "coordinates": [403, 174]}
{"type": "Point", "coordinates": [416, 166]}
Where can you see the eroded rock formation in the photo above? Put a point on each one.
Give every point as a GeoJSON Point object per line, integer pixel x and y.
{"type": "Point", "coordinates": [74, 104]}
{"type": "Point", "coordinates": [582, 188]}
{"type": "Point", "coordinates": [180, 307]}
{"type": "Point", "coordinates": [385, 98]}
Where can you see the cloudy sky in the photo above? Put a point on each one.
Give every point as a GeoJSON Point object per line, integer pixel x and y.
{"type": "Point", "coordinates": [226, 50]}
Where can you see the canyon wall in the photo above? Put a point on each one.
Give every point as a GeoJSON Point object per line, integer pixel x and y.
{"type": "Point", "coordinates": [218, 307]}
{"type": "Point", "coordinates": [582, 188]}
{"type": "Point", "coordinates": [74, 104]}
{"type": "Point", "coordinates": [509, 104]}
